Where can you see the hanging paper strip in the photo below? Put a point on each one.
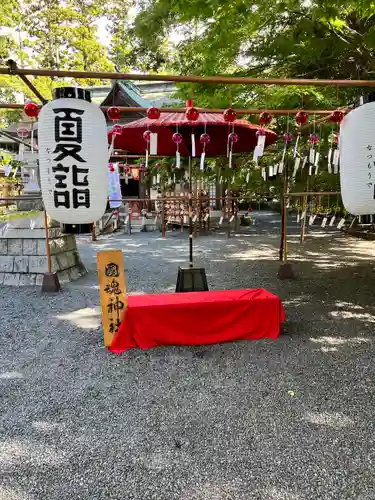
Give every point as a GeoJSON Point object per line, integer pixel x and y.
{"type": "Point", "coordinates": [312, 155]}
{"type": "Point", "coordinates": [261, 144]}
{"type": "Point", "coordinates": [312, 219]}
{"type": "Point", "coordinates": [153, 143]}
{"type": "Point", "coordinates": [329, 156]}
{"type": "Point", "coordinates": [270, 171]}
{"type": "Point", "coordinates": [146, 161]}
{"type": "Point", "coordinates": [248, 177]}
{"type": "Point", "coordinates": [324, 221]}
{"type": "Point", "coordinates": [230, 157]}
{"type": "Point", "coordinates": [303, 215]}
{"type": "Point", "coordinates": [193, 145]}
{"type": "Point", "coordinates": [178, 159]}
{"type": "Point", "coordinates": [341, 223]}
{"type": "Point", "coordinates": [332, 221]}
{"type": "Point", "coordinates": [157, 178]}
{"type": "Point", "coordinates": [317, 156]}
{"type": "Point", "coordinates": [304, 162]}
{"type": "Point", "coordinates": [203, 155]}
{"type": "Point", "coordinates": [296, 166]}
{"type": "Point", "coordinates": [221, 220]}
{"type": "Point", "coordinates": [110, 151]}
{"type": "Point", "coordinates": [296, 146]}
{"type": "Point", "coordinates": [7, 170]}
{"type": "Point", "coordinates": [336, 155]}
{"type": "Point", "coordinates": [264, 174]}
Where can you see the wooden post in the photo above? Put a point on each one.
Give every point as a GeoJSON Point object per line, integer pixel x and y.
{"type": "Point", "coordinates": [93, 232]}
{"type": "Point", "coordinates": [50, 280]}
{"type": "Point", "coordinates": [48, 248]}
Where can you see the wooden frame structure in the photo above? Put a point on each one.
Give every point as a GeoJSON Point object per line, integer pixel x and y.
{"type": "Point", "coordinates": [13, 69]}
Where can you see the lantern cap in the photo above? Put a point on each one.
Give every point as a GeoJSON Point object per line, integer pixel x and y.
{"type": "Point", "coordinates": [73, 93]}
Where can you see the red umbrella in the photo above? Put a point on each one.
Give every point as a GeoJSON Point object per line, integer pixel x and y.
{"type": "Point", "coordinates": [131, 139]}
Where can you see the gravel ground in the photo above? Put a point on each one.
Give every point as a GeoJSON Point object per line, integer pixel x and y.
{"type": "Point", "coordinates": [290, 419]}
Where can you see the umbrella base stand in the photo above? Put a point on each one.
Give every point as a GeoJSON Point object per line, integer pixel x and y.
{"type": "Point", "coordinates": [286, 272]}
{"type": "Point", "coordinates": [191, 279]}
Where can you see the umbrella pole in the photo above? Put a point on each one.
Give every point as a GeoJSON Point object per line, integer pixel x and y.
{"type": "Point", "coordinates": [190, 214]}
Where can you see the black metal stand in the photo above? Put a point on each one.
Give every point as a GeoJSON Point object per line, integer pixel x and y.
{"type": "Point", "coordinates": [191, 279]}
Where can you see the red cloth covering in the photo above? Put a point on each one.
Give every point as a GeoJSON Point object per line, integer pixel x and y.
{"type": "Point", "coordinates": [198, 318]}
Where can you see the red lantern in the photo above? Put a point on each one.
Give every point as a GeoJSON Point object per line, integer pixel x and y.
{"type": "Point", "coordinates": [114, 113]}
{"type": "Point", "coordinates": [337, 116]}
{"type": "Point", "coordinates": [229, 115]}
{"type": "Point", "coordinates": [153, 113]}
{"type": "Point", "coordinates": [31, 110]}
{"type": "Point", "coordinates": [301, 118]}
{"type": "Point", "coordinates": [192, 114]}
{"type": "Point", "coordinates": [265, 118]}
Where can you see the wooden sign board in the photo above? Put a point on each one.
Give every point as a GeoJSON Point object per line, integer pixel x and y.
{"type": "Point", "coordinates": [112, 286]}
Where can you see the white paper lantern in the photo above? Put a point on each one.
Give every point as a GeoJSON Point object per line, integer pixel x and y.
{"type": "Point", "coordinates": [73, 159]}
{"type": "Point", "coordinates": [357, 160]}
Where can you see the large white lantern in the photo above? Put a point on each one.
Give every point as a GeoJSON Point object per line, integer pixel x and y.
{"type": "Point", "coordinates": [357, 160]}
{"type": "Point", "coordinates": [73, 157]}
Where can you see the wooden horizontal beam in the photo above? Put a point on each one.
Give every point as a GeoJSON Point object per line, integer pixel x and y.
{"type": "Point", "coordinates": [312, 193]}
{"type": "Point", "coordinates": [232, 80]}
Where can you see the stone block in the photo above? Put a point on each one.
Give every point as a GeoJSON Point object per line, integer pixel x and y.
{"type": "Point", "coordinates": [39, 280]}
{"type": "Point", "coordinates": [3, 247]}
{"type": "Point", "coordinates": [55, 264]}
{"type": "Point", "coordinates": [42, 249]}
{"type": "Point", "coordinates": [73, 258]}
{"type": "Point", "coordinates": [38, 265]}
{"type": "Point", "coordinates": [11, 279]}
{"type": "Point", "coordinates": [64, 276]}
{"type": "Point", "coordinates": [24, 233]}
{"type": "Point", "coordinates": [74, 273]}
{"type": "Point", "coordinates": [30, 247]}
{"type": "Point", "coordinates": [28, 279]}
{"type": "Point", "coordinates": [71, 243]}
{"type": "Point", "coordinates": [63, 261]}
{"type": "Point", "coordinates": [1, 278]}
{"type": "Point", "coordinates": [15, 247]}
{"type": "Point", "coordinates": [54, 232]}
{"type": "Point", "coordinates": [58, 245]}
{"type": "Point", "coordinates": [6, 263]}
{"type": "Point", "coordinates": [21, 264]}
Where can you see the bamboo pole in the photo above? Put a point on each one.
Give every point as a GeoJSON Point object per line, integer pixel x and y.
{"type": "Point", "coordinates": [232, 80]}
{"type": "Point", "coordinates": [282, 249]}
{"type": "Point", "coordinates": [242, 111]}
{"type": "Point", "coordinates": [15, 139]}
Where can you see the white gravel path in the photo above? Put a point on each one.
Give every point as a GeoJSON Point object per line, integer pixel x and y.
{"type": "Point", "coordinates": [285, 420]}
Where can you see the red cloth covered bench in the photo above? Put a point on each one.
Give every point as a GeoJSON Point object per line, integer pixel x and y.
{"type": "Point", "coordinates": [198, 318]}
